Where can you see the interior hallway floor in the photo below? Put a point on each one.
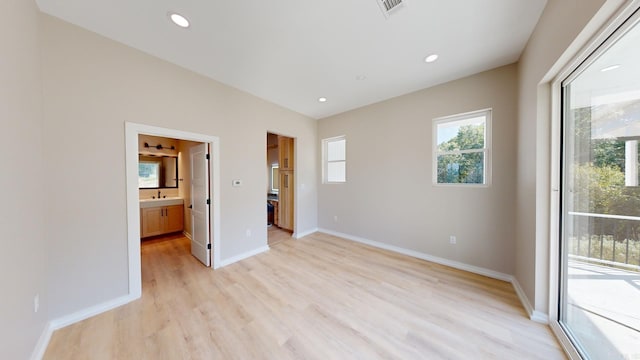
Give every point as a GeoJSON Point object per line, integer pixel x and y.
{"type": "Point", "coordinates": [276, 235]}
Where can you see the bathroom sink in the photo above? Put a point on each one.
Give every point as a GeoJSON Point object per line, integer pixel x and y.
{"type": "Point", "coordinates": [147, 203]}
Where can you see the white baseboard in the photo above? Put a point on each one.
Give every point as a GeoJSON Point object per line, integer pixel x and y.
{"type": "Point", "coordinates": [524, 300]}
{"type": "Point", "coordinates": [303, 234]}
{"type": "Point", "coordinates": [53, 325]}
{"type": "Point", "coordinates": [423, 256]}
{"type": "Point", "coordinates": [187, 235]}
{"type": "Point", "coordinates": [534, 315]}
{"type": "Point", "coordinates": [90, 311]}
{"type": "Point", "coordinates": [243, 256]}
{"type": "Point", "coordinates": [539, 317]}
{"type": "Point", "coordinates": [43, 342]}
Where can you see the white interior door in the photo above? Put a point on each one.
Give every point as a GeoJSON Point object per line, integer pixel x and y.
{"type": "Point", "coordinates": [200, 233]}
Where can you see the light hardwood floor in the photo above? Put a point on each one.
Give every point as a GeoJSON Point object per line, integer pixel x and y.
{"type": "Point", "coordinates": [276, 235]}
{"type": "Point", "coordinates": [319, 297]}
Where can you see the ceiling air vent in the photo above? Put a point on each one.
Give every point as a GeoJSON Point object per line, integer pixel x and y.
{"type": "Point", "coordinates": [389, 6]}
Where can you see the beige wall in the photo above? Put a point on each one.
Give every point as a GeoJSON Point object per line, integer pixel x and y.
{"type": "Point", "coordinates": [92, 86]}
{"type": "Point", "coordinates": [389, 196]}
{"type": "Point", "coordinates": [22, 236]}
{"type": "Point", "coordinates": [557, 30]}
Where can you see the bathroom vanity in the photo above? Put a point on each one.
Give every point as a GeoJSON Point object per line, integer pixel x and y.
{"type": "Point", "coordinates": [161, 216]}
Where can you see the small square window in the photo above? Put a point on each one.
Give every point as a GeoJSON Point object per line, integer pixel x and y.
{"type": "Point", "coordinates": [334, 155]}
{"type": "Point", "coordinates": [461, 149]}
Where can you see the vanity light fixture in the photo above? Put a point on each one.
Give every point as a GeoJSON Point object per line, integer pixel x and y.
{"type": "Point", "coordinates": [610, 67]}
{"type": "Point", "coordinates": [159, 146]}
{"type": "Point", "coordinates": [322, 99]}
{"type": "Point", "coordinates": [179, 20]}
{"type": "Point", "coordinates": [431, 58]}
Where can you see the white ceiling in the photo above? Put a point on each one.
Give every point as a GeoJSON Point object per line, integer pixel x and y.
{"type": "Point", "coordinates": [291, 52]}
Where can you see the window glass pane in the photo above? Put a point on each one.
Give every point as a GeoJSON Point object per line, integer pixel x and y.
{"type": "Point", "coordinates": [148, 174]}
{"type": "Point", "coordinates": [600, 247]}
{"type": "Point", "coordinates": [336, 171]}
{"type": "Point", "coordinates": [336, 150]}
{"type": "Point", "coordinates": [464, 134]}
{"type": "Point", "coordinates": [461, 168]}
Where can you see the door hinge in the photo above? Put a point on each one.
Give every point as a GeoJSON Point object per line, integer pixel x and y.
{"type": "Point", "coordinates": [207, 156]}
{"type": "Point", "coordinates": [209, 246]}
{"type": "Point", "coordinates": [208, 202]}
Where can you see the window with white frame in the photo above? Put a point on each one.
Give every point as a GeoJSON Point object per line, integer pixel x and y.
{"type": "Point", "coordinates": [334, 160]}
{"type": "Point", "coordinates": [461, 148]}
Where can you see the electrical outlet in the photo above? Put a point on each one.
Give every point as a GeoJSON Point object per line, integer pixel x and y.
{"type": "Point", "coordinates": [335, 218]}
{"type": "Point", "coordinates": [452, 240]}
{"type": "Point", "coordinates": [248, 232]}
{"type": "Point", "coordinates": [36, 303]}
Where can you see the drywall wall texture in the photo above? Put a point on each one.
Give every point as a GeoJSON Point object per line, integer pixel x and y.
{"type": "Point", "coordinates": [558, 27]}
{"type": "Point", "coordinates": [92, 86]}
{"type": "Point", "coordinates": [22, 235]}
{"type": "Point", "coordinates": [389, 196]}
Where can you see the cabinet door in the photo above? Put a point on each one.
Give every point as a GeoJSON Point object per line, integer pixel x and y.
{"type": "Point", "coordinates": [285, 200]}
{"type": "Point", "coordinates": [285, 153]}
{"type": "Point", "coordinates": [276, 213]}
{"type": "Point", "coordinates": [174, 218]}
{"type": "Point", "coordinates": [151, 221]}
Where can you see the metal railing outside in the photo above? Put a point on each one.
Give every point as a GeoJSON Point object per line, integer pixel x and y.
{"type": "Point", "coordinates": [612, 240]}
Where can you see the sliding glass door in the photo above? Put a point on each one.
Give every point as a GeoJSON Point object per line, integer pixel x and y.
{"type": "Point", "coordinates": [599, 304]}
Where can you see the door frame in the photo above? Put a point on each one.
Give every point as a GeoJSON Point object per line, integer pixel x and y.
{"type": "Point", "coordinates": [132, 130]}
{"type": "Point", "coordinates": [608, 21]}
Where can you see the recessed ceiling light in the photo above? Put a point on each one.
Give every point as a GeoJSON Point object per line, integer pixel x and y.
{"type": "Point", "coordinates": [431, 58]}
{"type": "Point", "coordinates": [612, 67]}
{"type": "Point", "coordinates": [322, 99]}
{"type": "Point", "coordinates": [179, 20]}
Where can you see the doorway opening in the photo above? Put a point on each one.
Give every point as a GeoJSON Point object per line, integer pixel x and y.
{"type": "Point", "coordinates": [202, 218]}
{"type": "Point", "coordinates": [174, 190]}
{"type": "Point", "coordinates": [280, 167]}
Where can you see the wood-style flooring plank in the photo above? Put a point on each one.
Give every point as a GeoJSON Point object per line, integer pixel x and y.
{"type": "Point", "coordinates": [320, 297]}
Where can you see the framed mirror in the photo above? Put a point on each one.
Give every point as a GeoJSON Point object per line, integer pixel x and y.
{"type": "Point", "coordinates": [155, 172]}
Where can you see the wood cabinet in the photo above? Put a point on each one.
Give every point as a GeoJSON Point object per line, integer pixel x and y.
{"type": "Point", "coordinates": [284, 210]}
{"type": "Point", "coordinates": [285, 153]}
{"type": "Point", "coordinates": [275, 211]}
{"type": "Point", "coordinates": [285, 200]}
{"type": "Point", "coordinates": [161, 220]}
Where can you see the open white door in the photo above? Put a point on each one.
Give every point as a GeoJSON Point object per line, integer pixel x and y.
{"type": "Point", "coordinates": [200, 239]}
